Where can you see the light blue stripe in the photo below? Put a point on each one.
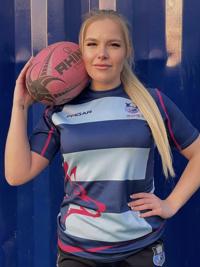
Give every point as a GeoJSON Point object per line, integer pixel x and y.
{"type": "Point", "coordinates": [103, 109]}
{"type": "Point", "coordinates": [112, 227]}
{"type": "Point", "coordinates": [109, 164]}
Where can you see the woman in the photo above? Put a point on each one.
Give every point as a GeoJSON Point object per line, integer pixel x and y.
{"type": "Point", "coordinates": [109, 215]}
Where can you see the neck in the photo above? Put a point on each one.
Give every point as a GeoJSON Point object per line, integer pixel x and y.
{"type": "Point", "coordinates": [102, 86]}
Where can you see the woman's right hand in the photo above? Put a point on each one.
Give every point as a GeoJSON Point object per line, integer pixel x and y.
{"type": "Point", "coordinates": [22, 97]}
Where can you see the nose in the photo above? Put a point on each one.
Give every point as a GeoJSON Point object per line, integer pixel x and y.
{"type": "Point", "coordinates": [103, 53]}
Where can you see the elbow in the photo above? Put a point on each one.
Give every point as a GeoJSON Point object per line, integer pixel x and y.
{"type": "Point", "coordinates": [13, 180]}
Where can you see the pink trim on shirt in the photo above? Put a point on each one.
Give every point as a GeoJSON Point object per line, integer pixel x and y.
{"type": "Point", "coordinates": [168, 120]}
{"type": "Point", "coordinates": [72, 249]}
{"type": "Point", "coordinates": [47, 141]}
{"type": "Point", "coordinates": [49, 136]}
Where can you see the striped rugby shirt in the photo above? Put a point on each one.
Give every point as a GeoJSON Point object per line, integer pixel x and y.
{"type": "Point", "coordinates": [108, 154]}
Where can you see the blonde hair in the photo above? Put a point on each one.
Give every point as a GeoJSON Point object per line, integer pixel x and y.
{"type": "Point", "coordinates": [134, 88]}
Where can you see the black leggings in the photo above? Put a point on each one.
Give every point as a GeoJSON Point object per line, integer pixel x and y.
{"type": "Point", "coordinates": [143, 258]}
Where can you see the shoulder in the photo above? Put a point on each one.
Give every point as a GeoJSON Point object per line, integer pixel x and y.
{"type": "Point", "coordinates": [162, 100]}
{"type": "Point", "coordinates": [50, 110]}
{"type": "Point", "coordinates": [155, 93]}
{"type": "Point", "coordinates": [157, 96]}
{"type": "Point", "coordinates": [165, 105]}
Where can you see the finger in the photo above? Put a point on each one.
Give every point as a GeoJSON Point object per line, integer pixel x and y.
{"type": "Point", "coordinates": [141, 195]}
{"type": "Point", "coordinates": [138, 202]}
{"type": "Point", "coordinates": [150, 213]}
{"type": "Point", "coordinates": [24, 69]}
{"type": "Point", "coordinates": [28, 63]}
{"type": "Point", "coordinates": [143, 207]}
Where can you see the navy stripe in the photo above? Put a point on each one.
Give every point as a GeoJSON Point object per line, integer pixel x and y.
{"type": "Point", "coordinates": [119, 251]}
{"type": "Point", "coordinates": [114, 194]}
{"type": "Point", "coordinates": [88, 94]}
{"type": "Point", "coordinates": [110, 134]}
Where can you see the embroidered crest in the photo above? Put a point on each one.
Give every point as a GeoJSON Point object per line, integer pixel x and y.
{"type": "Point", "coordinates": [158, 255]}
{"type": "Point", "coordinates": [131, 108]}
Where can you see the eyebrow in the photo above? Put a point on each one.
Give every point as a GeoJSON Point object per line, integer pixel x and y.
{"type": "Point", "coordinates": [111, 40]}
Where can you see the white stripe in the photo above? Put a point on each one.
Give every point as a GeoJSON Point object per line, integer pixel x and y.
{"type": "Point", "coordinates": [112, 227]}
{"type": "Point", "coordinates": [105, 4]}
{"type": "Point", "coordinates": [89, 5]}
{"type": "Point", "coordinates": [109, 164]}
{"type": "Point", "coordinates": [103, 109]}
{"type": "Point", "coordinates": [22, 30]}
{"type": "Point", "coordinates": [39, 38]}
{"type": "Point", "coordinates": [174, 31]}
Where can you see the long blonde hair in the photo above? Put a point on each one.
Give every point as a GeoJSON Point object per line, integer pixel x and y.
{"type": "Point", "coordinates": [134, 88]}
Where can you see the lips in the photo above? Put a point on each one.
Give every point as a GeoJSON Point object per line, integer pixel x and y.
{"type": "Point", "coordinates": [102, 66]}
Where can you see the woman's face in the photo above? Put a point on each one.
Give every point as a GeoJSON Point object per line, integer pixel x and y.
{"type": "Point", "coordinates": [104, 53]}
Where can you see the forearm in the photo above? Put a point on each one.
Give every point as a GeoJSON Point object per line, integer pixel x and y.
{"type": "Point", "coordinates": [17, 152]}
{"type": "Point", "coordinates": [151, 205]}
{"type": "Point", "coordinates": [187, 185]}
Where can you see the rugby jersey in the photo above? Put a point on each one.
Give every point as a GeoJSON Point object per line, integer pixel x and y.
{"type": "Point", "coordinates": [108, 154]}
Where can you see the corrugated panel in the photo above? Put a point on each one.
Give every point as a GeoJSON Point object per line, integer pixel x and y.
{"type": "Point", "coordinates": [165, 56]}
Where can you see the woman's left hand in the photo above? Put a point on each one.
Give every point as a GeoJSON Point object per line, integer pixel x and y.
{"type": "Point", "coordinates": [148, 204]}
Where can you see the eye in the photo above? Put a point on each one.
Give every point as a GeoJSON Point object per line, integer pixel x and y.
{"type": "Point", "coordinates": [115, 44]}
{"type": "Point", "coordinates": [91, 44]}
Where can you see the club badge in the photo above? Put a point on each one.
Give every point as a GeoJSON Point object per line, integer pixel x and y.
{"type": "Point", "coordinates": [158, 255]}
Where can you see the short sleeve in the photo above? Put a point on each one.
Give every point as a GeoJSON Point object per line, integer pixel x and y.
{"type": "Point", "coordinates": [45, 139]}
{"type": "Point", "coordinates": [181, 132]}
